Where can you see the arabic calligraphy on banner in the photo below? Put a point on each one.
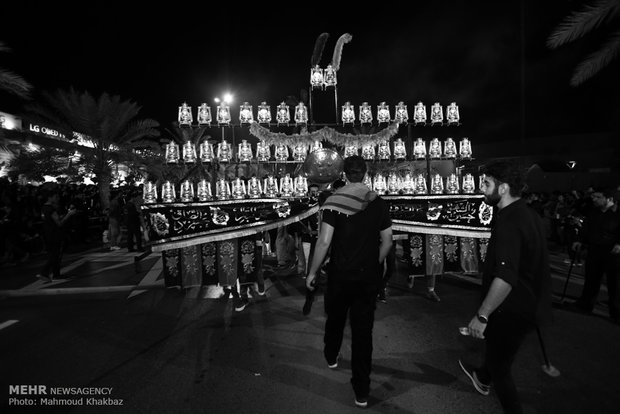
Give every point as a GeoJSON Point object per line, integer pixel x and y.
{"type": "Point", "coordinates": [462, 215]}
{"type": "Point", "coordinates": [221, 219]}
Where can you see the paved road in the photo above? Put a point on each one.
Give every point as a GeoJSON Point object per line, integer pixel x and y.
{"type": "Point", "coordinates": [112, 326]}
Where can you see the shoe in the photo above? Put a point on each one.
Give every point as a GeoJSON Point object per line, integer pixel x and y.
{"type": "Point", "coordinates": [333, 365]}
{"type": "Point", "coordinates": [259, 291]}
{"type": "Point", "coordinates": [381, 296]}
{"type": "Point", "coordinates": [241, 305]}
{"type": "Point", "coordinates": [44, 278]}
{"type": "Point", "coordinates": [112, 248]}
{"type": "Point", "coordinates": [482, 388]}
{"type": "Point", "coordinates": [361, 402]}
{"type": "Point", "coordinates": [410, 282]}
{"type": "Point", "coordinates": [432, 296]}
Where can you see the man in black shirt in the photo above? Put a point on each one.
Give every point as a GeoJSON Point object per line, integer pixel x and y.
{"type": "Point", "coordinates": [356, 224]}
{"type": "Point", "coordinates": [516, 283]}
{"type": "Point", "coordinates": [601, 235]}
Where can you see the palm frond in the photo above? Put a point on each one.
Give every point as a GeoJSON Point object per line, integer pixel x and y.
{"type": "Point", "coordinates": [337, 56]}
{"type": "Point", "coordinates": [14, 84]}
{"type": "Point", "coordinates": [598, 60]}
{"type": "Point", "coordinates": [319, 46]}
{"type": "Point", "coordinates": [579, 23]}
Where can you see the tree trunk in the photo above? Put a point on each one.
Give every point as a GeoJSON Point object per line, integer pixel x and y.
{"type": "Point", "coordinates": [103, 185]}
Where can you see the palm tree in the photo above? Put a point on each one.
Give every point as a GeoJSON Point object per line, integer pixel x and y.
{"type": "Point", "coordinates": [601, 13]}
{"type": "Point", "coordinates": [108, 123]}
{"type": "Point", "coordinates": [13, 84]}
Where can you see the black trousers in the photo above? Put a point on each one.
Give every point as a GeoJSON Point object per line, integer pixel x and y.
{"type": "Point", "coordinates": [599, 262]}
{"type": "Point", "coordinates": [55, 248]}
{"type": "Point", "coordinates": [134, 234]}
{"type": "Point", "coordinates": [358, 301]}
{"type": "Point", "coordinates": [503, 338]}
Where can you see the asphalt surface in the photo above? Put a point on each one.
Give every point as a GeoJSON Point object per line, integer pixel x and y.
{"type": "Point", "coordinates": [110, 327]}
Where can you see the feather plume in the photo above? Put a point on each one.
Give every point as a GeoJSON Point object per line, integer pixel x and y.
{"type": "Point", "coordinates": [319, 45]}
{"type": "Point", "coordinates": [345, 38]}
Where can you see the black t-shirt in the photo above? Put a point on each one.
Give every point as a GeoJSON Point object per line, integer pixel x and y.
{"type": "Point", "coordinates": [355, 243]}
{"type": "Point", "coordinates": [518, 254]}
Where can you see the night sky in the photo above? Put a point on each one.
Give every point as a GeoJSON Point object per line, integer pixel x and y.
{"type": "Point", "coordinates": [488, 57]}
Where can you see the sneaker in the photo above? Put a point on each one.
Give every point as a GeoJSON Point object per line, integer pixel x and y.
{"type": "Point", "coordinates": [432, 296]}
{"type": "Point", "coordinates": [112, 248]}
{"type": "Point", "coordinates": [44, 278]}
{"type": "Point", "coordinates": [410, 282]}
{"type": "Point", "coordinates": [381, 297]}
{"type": "Point", "coordinates": [241, 305]}
{"type": "Point", "coordinates": [482, 388]}
{"type": "Point", "coordinates": [333, 365]}
{"type": "Point", "coordinates": [361, 402]}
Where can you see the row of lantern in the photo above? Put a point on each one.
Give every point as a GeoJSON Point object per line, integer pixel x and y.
{"type": "Point", "coordinates": [283, 116]}
{"type": "Point", "coordinates": [236, 189]}
{"type": "Point", "coordinates": [407, 184]}
{"type": "Point", "coordinates": [382, 151]}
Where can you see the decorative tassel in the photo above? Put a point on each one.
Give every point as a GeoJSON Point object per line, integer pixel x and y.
{"type": "Point", "coordinates": [345, 38]}
{"type": "Point", "coordinates": [319, 45]}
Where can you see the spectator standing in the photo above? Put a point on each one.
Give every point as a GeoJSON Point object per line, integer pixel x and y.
{"type": "Point", "coordinates": [516, 284]}
{"type": "Point", "coordinates": [356, 226]}
{"type": "Point", "coordinates": [134, 222]}
{"type": "Point", "coordinates": [115, 216]}
{"type": "Point", "coordinates": [601, 236]}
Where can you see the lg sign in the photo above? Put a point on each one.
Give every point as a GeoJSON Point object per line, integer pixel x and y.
{"type": "Point", "coordinates": [46, 131]}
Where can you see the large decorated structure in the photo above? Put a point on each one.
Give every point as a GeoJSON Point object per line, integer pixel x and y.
{"type": "Point", "coordinates": [209, 226]}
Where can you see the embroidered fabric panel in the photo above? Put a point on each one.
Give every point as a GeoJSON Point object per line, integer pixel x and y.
{"type": "Point", "coordinates": [434, 254]}
{"type": "Point", "coordinates": [191, 275]}
{"type": "Point", "coordinates": [209, 263]}
{"type": "Point", "coordinates": [227, 262]}
{"type": "Point", "coordinates": [248, 266]}
{"type": "Point", "coordinates": [172, 267]}
{"type": "Point", "coordinates": [451, 253]}
{"type": "Point", "coordinates": [469, 254]}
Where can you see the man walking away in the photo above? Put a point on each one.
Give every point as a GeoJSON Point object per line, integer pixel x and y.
{"type": "Point", "coordinates": [356, 224]}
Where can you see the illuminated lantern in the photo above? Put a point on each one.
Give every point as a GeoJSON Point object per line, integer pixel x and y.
{"type": "Point", "coordinates": [316, 146]}
{"type": "Point", "coordinates": [223, 114]}
{"type": "Point", "coordinates": [172, 152]}
{"type": "Point", "coordinates": [264, 113]}
{"type": "Point", "coordinates": [365, 113]}
{"type": "Point", "coordinates": [329, 77]}
{"type": "Point", "coordinates": [407, 184]}
{"type": "Point", "coordinates": [300, 150]}
{"type": "Point", "coordinates": [204, 114]}
{"type": "Point", "coordinates": [245, 151]}
{"type": "Point", "coordinates": [367, 181]}
{"type": "Point", "coordinates": [368, 152]}
{"type": "Point", "coordinates": [436, 114]}
{"type": "Point", "coordinates": [301, 114]}
{"type": "Point", "coordinates": [301, 186]}
{"type": "Point", "coordinates": [283, 115]}
{"type": "Point", "coordinates": [420, 185]}
{"type": "Point", "coordinates": [449, 148]}
{"type": "Point", "coordinates": [316, 77]}
{"type": "Point", "coordinates": [434, 150]}
{"type": "Point", "coordinates": [263, 152]}
{"type": "Point", "coordinates": [168, 194]}
{"type": "Point", "coordinates": [419, 113]}
{"type": "Point", "coordinates": [348, 113]}
{"type": "Point", "coordinates": [437, 184]}
{"type": "Point", "coordinates": [452, 184]}
{"type": "Point", "coordinates": [383, 113]}
{"type": "Point", "coordinates": [401, 116]}
{"type": "Point", "coordinates": [206, 151]}
{"type": "Point", "coordinates": [189, 152]}
{"type": "Point", "coordinates": [185, 115]}
{"type": "Point", "coordinates": [203, 190]}
{"type": "Point", "coordinates": [350, 150]}
{"type": "Point", "coordinates": [149, 192]}
{"type": "Point", "coordinates": [224, 151]}
{"type": "Point", "coordinates": [384, 150]}
{"type": "Point", "coordinates": [400, 152]}
{"type": "Point", "coordinates": [222, 189]}
{"type": "Point", "coordinates": [238, 189]}
{"type": "Point", "coordinates": [378, 183]}
{"type": "Point", "coordinates": [481, 182]}
{"type": "Point", "coordinates": [271, 186]}
{"type": "Point", "coordinates": [245, 113]}
{"type": "Point", "coordinates": [465, 148]}
{"type": "Point", "coordinates": [281, 152]}
{"type": "Point", "coordinates": [187, 191]}
{"type": "Point", "coordinates": [452, 114]}
{"type": "Point", "coordinates": [287, 187]}
{"type": "Point", "coordinates": [469, 186]}
{"type": "Point", "coordinates": [254, 187]}
{"type": "Point", "coordinates": [393, 183]}
{"type": "Point", "coordinates": [419, 149]}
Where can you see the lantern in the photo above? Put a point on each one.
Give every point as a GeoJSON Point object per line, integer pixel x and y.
{"type": "Point", "coordinates": [283, 115]}
{"type": "Point", "coordinates": [245, 113]}
{"type": "Point", "coordinates": [452, 184]}
{"type": "Point", "coordinates": [400, 152]}
{"type": "Point", "coordinates": [436, 114]}
{"type": "Point", "coordinates": [434, 150]}
{"type": "Point", "coordinates": [436, 184]}
{"type": "Point", "coordinates": [254, 187]}
{"type": "Point", "coordinates": [401, 116]}
{"type": "Point", "coordinates": [245, 151]}
{"type": "Point", "coordinates": [419, 149]}
{"type": "Point", "coordinates": [383, 113]}
{"type": "Point", "coordinates": [420, 185]}
{"type": "Point", "coordinates": [168, 194]}
{"type": "Point", "coordinates": [469, 186]}
{"type": "Point", "coordinates": [223, 114]}
{"type": "Point", "coordinates": [419, 113]}
{"type": "Point", "coordinates": [452, 114]}
{"type": "Point", "coordinates": [203, 190]}
{"type": "Point", "coordinates": [287, 187]}
{"type": "Point", "coordinates": [172, 152]}
{"type": "Point", "coordinates": [206, 151]}
{"type": "Point", "coordinates": [316, 77]}
{"type": "Point", "coordinates": [449, 148]}
{"type": "Point", "coordinates": [329, 77]}
{"type": "Point", "coordinates": [365, 113]}
{"type": "Point", "coordinates": [222, 189]}
{"type": "Point", "coordinates": [189, 152]}
{"type": "Point", "coordinates": [263, 152]}
{"type": "Point", "coordinates": [264, 113]}
{"type": "Point", "coordinates": [224, 152]}
{"type": "Point", "coordinates": [185, 115]}
{"type": "Point", "coordinates": [271, 186]}
{"type": "Point", "coordinates": [238, 189]}
{"type": "Point", "coordinates": [149, 192]}
{"type": "Point", "coordinates": [348, 113]}
{"type": "Point", "coordinates": [204, 114]}
{"type": "Point", "coordinates": [465, 148]}
{"type": "Point", "coordinates": [187, 191]}
{"type": "Point", "coordinates": [301, 114]}
{"type": "Point", "coordinates": [384, 150]}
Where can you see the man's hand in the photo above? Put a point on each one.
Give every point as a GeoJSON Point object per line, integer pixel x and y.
{"type": "Point", "coordinates": [476, 328]}
{"type": "Point", "coordinates": [310, 281]}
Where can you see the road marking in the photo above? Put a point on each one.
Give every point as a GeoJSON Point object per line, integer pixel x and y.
{"type": "Point", "coordinates": [7, 323]}
{"type": "Point", "coordinates": [150, 277]}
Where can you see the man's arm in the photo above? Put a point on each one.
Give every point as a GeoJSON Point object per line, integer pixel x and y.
{"type": "Point", "coordinates": [386, 243]}
{"type": "Point", "coordinates": [497, 293]}
{"type": "Point", "coordinates": [320, 251]}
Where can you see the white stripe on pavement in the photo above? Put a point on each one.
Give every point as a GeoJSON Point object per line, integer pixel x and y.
{"type": "Point", "coordinates": [8, 323]}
